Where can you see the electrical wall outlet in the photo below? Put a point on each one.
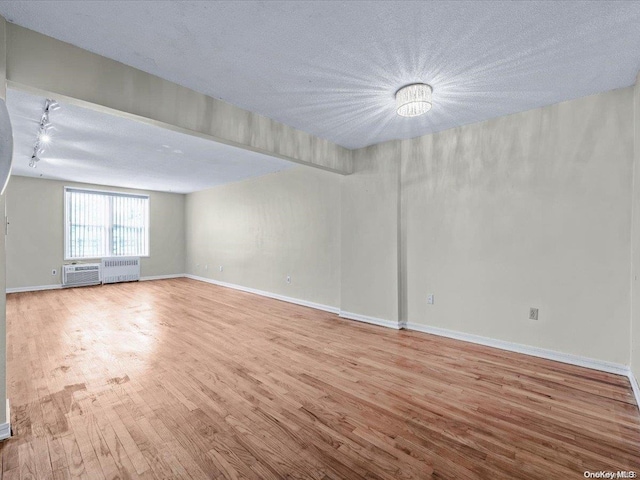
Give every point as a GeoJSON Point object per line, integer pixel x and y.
{"type": "Point", "coordinates": [431, 299]}
{"type": "Point", "coordinates": [221, 268]}
{"type": "Point", "coordinates": [533, 313]}
{"type": "Point", "coordinates": [54, 272]}
{"type": "Point", "coordinates": [288, 278]}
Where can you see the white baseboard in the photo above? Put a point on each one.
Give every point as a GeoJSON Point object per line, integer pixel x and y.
{"type": "Point", "coordinates": [161, 277]}
{"type": "Point", "coordinates": [58, 286]}
{"type": "Point", "coordinates": [372, 320]}
{"type": "Point", "coordinates": [297, 301]}
{"type": "Point", "coordinates": [586, 362]}
{"type": "Point", "coordinates": [33, 289]}
{"type": "Point", "coordinates": [5, 428]}
{"type": "Point", "coordinates": [635, 387]}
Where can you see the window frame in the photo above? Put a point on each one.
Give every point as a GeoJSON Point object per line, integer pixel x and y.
{"type": "Point", "coordinates": [110, 193]}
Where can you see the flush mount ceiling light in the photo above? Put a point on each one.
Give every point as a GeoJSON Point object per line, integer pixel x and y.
{"type": "Point", "coordinates": [413, 100]}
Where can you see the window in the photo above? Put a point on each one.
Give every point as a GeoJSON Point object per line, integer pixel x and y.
{"type": "Point", "coordinates": [105, 224]}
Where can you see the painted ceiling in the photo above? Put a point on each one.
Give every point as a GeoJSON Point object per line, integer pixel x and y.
{"type": "Point", "coordinates": [331, 68]}
{"type": "Point", "coordinates": [95, 147]}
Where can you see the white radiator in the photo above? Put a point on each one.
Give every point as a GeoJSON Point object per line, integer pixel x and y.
{"type": "Point", "coordinates": [81, 275]}
{"type": "Point", "coordinates": [120, 269]}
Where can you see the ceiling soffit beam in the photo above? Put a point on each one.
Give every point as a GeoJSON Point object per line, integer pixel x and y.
{"type": "Point", "coordinates": [40, 63]}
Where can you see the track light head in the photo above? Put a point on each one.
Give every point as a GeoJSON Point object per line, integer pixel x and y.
{"type": "Point", "coordinates": [51, 105]}
{"type": "Point", "coordinates": [34, 161]}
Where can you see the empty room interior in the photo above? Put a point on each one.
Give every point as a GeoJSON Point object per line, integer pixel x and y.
{"type": "Point", "coordinates": [320, 240]}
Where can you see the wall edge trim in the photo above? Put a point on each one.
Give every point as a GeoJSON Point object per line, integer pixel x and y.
{"type": "Point", "coordinates": [37, 288]}
{"type": "Point", "coordinates": [161, 277]}
{"type": "Point", "coordinates": [34, 288]}
{"type": "Point", "coordinates": [371, 320]}
{"type": "Point", "coordinates": [571, 359]}
{"type": "Point", "coordinates": [635, 387]}
{"type": "Point", "coordinates": [262, 293]}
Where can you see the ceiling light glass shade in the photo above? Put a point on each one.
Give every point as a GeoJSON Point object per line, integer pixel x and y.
{"type": "Point", "coordinates": [413, 100]}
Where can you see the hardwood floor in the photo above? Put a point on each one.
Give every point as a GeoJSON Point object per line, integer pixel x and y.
{"type": "Point", "coordinates": [182, 379]}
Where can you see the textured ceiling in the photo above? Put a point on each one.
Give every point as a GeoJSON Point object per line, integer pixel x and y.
{"type": "Point", "coordinates": [332, 68]}
{"type": "Point", "coordinates": [94, 147]}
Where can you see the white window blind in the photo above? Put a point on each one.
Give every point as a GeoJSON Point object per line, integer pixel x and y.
{"type": "Point", "coordinates": [105, 224]}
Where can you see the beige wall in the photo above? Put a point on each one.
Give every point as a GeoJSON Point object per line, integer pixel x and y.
{"type": "Point", "coordinates": [529, 210]}
{"type": "Point", "coordinates": [635, 246]}
{"type": "Point", "coordinates": [263, 229]}
{"type": "Point", "coordinates": [35, 244]}
{"type": "Point", "coordinates": [533, 209]}
{"type": "Point", "coordinates": [3, 297]}
{"type": "Point", "coordinates": [369, 267]}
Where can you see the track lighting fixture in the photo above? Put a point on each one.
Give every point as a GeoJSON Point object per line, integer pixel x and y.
{"type": "Point", "coordinates": [44, 137]}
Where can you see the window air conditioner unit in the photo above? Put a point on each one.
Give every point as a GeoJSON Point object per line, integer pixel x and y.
{"type": "Point", "coordinates": [81, 275]}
